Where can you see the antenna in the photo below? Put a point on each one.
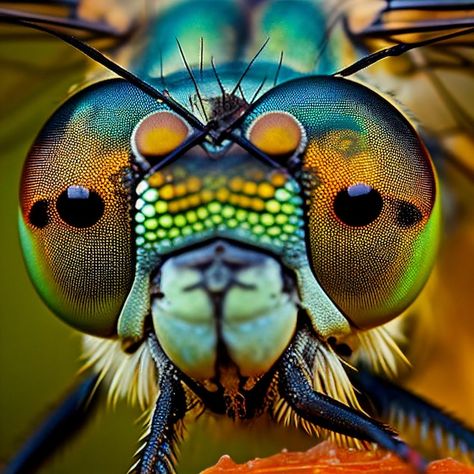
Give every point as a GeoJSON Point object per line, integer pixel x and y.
{"type": "Point", "coordinates": [396, 50]}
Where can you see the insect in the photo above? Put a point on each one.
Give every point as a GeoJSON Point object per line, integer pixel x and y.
{"type": "Point", "coordinates": [237, 236]}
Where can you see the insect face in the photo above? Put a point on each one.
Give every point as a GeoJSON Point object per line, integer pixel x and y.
{"type": "Point", "coordinates": [234, 244]}
{"type": "Point", "coordinates": [358, 203]}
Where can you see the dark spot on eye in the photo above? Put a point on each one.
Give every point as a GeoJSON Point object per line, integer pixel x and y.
{"type": "Point", "coordinates": [79, 206]}
{"type": "Point", "coordinates": [408, 214]}
{"type": "Point", "coordinates": [358, 205]}
{"type": "Point", "coordinates": [39, 214]}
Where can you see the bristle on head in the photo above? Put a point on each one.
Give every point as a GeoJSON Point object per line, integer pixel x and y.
{"type": "Point", "coordinates": [378, 349]}
{"type": "Point", "coordinates": [129, 376]}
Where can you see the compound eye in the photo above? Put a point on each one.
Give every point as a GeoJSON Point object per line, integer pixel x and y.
{"type": "Point", "coordinates": [373, 223]}
{"type": "Point", "coordinates": [277, 134]}
{"type": "Point", "coordinates": [372, 206]}
{"type": "Point", "coordinates": [75, 221]}
{"type": "Point", "coordinates": [80, 207]}
{"type": "Point", "coordinates": [358, 205]}
{"type": "Point", "coordinates": [158, 134]}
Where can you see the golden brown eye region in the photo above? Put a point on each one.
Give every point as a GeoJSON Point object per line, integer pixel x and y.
{"type": "Point", "coordinates": [369, 215]}
{"type": "Point", "coordinates": [276, 133]}
{"type": "Point", "coordinates": [159, 134]}
{"type": "Point", "coordinates": [75, 223]}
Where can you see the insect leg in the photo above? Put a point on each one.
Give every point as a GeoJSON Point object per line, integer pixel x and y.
{"type": "Point", "coordinates": [326, 412]}
{"type": "Point", "coordinates": [411, 412]}
{"type": "Point", "coordinates": [158, 453]}
{"type": "Point", "coordinates": [65, 422]}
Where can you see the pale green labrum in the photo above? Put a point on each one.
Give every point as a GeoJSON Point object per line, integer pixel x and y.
{"type": "Point", "coordinates": [254, 318]}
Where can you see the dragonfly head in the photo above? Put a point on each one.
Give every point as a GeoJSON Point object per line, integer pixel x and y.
{"type": "Point", "coordinates": [117, 236]}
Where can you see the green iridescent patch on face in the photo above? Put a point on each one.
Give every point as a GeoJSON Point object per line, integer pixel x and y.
{"type": "Point", "coordinates": [170, 213]}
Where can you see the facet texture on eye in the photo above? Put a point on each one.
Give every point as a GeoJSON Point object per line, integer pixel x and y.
{"type": "Point", "coordinates": [75, 211]}
{"type": "Point", "coordinates": [373, 213]}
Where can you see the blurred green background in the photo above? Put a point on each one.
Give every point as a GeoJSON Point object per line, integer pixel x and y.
{"type": "Point", "coordinates": [39, 355]}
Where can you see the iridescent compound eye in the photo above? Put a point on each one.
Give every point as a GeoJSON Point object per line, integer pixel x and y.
{"type": "Point", "coordinates": [75, 222]}
{"type": "Point", "coordinates": [372, 208]}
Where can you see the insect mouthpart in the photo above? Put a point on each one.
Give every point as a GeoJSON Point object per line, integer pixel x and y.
{"type": "Point", "coordinates": [223, 306]}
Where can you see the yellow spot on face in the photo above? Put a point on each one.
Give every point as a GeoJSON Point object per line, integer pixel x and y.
{"type": "Point", "coordinates": [278, 179]}
{"type": "Point", "coordinates": [194, 184]}
{"type": "Point", "coordinates": [245, 201]}
{"type": "Point", "coordinates": [184, 203]}
{"type": "Point", "coordinates": [236, 184]}
{"type": "Point", "coordinates": [167, 192]}
{"type": "Point", "coordinates": [156, 179]}
{"type": "Point", "coordinates": [222, 194]}
{"type": "Point", "coordinates": [258, 204]}
{"type": "Point", "coordinates": [180, 189]}
{"type": "Point", "coordinates": [276, 133]}
{"type": "Point", "coordinates": [250, 188]}
{"type": "Point", "coordinates": [174, 207]}
{"type": "Point", "coordinates": [234, 199]}
{"type": "Point", "coordinates": [266, 190]}
{"type": "Point", "coordinates": [207, 195]}
{"type": "Point", "coordinates": [160, 133]}
{"type": "Point", "coordinates": [194, 200]}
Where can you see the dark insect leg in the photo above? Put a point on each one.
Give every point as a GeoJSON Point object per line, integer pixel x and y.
{"type": "Point", "coordinates": [392, 402]}
{"type": "Point", "coordinates": [328, 413]}
{"type": "Point", "coordinates": [59, 428]}
{"type": "Point", "coordinates": [158, 453]}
